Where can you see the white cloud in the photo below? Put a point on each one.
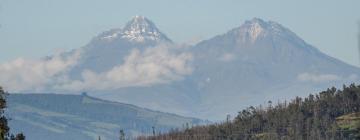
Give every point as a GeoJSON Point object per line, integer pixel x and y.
{"type": "Point", "coordinates": [318, 77]}
{"type": "Point", "coordinates": [33, 75]}
{"type": "Point", "coordinates": [155, 65]}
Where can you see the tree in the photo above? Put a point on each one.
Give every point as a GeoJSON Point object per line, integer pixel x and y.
{"type": "Point", "coordinates": [4, 128]}
{"type": "Point", "coordinates": [19, 137]}
{"type": "Point", "coordinates": [153, 130]}
{"type": "Point", "coordinates": [122, 135]}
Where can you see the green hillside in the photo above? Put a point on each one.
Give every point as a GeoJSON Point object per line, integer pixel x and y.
{"type": "Point", "coordinates": [350, 124]}
{"type": "Point", "coordinates": [330, 115]}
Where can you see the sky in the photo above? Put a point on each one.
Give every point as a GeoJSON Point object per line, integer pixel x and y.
{"type": "Point", "coordinates": [37, 28]}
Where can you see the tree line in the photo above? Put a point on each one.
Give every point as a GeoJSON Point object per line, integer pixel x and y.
{"type": "Point", "coordinates": [309, 118]}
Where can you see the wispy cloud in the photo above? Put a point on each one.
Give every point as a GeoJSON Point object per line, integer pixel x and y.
{"type": "Point", "coordinates": [157, 65]}
{"type": "Point", "coordinates": [154, 65]}
{"type": "Point", "coordinates": [311, 77]}
{"type": "Point", "coordinates": [25, 74]}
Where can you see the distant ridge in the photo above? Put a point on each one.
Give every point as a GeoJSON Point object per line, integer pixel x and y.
{"type": "Point", "coordinates": [82, 117]}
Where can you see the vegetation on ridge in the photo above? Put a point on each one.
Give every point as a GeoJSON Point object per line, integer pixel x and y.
{"type": "Point", "coordinates": [330, 115]}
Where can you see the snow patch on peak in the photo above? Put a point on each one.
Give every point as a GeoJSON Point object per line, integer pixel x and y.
{"type": "Point", "coordinates": [257, 20]}
{"type": "Point", "coordinates": [258, 27]}
{"type": "Point", "coordinates": [255, 30]}
{"type": "Point", "coordinates": [140, 29]}
{"type": "Point", "coordinates": [252, 29]}
{"type": "Point", "coordinates": [110, 35]}
{"type": "Point", "coordinates": [139, 17]}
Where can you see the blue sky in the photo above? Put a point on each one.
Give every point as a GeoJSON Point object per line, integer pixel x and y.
{"type": "Point", "coordinates": [36, 28]}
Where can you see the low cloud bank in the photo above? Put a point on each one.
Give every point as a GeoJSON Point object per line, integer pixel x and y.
{"type": "Point", "coordinates": [154, 65]}
{"type": "Point", "coordinates": [35, 75]}
{"type": "Point", "coordinates": [157, 65]}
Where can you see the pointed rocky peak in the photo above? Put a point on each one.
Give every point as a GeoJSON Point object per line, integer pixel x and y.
{"type": "Point", "coordinates": [256, 22]}
{"type": "Point", "coordinates": [141, 29]}
{"type": "Point", "coordinates": [141, 24]}
{"type": "Point", "coordinates": [253, 29]}
{"type": "Point", "coordinates": [138, 30]}
{"type": "Point", "coordinates": [259, 24]}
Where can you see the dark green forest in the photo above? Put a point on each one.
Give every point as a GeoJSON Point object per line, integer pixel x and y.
{"type": "Point", "coordinates": [329, 115]}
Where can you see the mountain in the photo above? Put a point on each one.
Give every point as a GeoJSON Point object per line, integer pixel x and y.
{"type": "Point", "coordinates": [110, 47]}
{"type": "Point", "coordinates": [253, 63]}
{"type": "Point", "coordinates": [138, 64]}
{"type": "Point", "coordinates": [82, 117]}
{"type": "Point", "coordinates": [261, 61]}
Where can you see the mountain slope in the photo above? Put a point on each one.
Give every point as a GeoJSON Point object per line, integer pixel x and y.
{"type": "Point", "coordinates": [259, 61]}
{"type": "Point", "coordinates": [81, 117]}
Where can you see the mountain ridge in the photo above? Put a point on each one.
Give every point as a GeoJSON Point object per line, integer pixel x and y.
{"type": "Point", "coordinates": [85, 116]}
{"type": "Point", "coordinates": [211, 78]}
{"type": "Point", "coordinates": [258, 52]}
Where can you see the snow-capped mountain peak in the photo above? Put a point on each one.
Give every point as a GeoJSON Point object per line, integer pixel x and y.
{"type": "Point", "coordinates": [139, 30]}
{"type": "Point", "coordinates": [140, 25]}
{"type": "Point", "coordinates": [257, 28]}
